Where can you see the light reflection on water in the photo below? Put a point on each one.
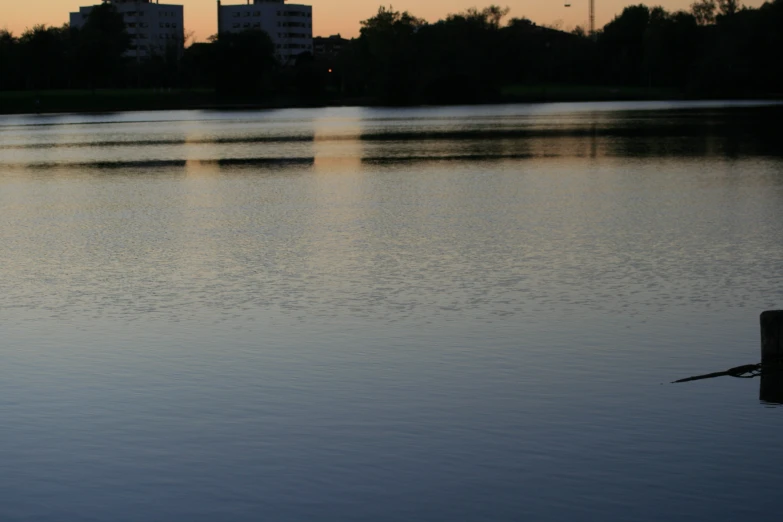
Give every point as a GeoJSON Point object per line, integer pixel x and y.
{"type": "Point", "coordinates": [353, 314]}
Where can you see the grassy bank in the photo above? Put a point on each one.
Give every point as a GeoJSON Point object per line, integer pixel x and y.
{"type": "Point", "coordinates": [106, 100]}
{"type": "Point", "coordinates": [103, 100]}
{"type": "Point", "coordinates": [576, 93]}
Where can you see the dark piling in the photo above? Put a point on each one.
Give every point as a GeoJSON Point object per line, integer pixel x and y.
{"type": "Point", "coordinates": [771, 387]}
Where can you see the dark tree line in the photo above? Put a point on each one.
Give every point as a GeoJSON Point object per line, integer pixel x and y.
{"type": "Point", "coordinates": [100, 55]}
{"type": "Point", "coordinates": [65, 57]}
{"type": "Point", "coordinates": [717, 48]}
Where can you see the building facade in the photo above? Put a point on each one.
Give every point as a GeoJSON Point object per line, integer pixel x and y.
{"type": "Point", "coordinates": [154, 28]}
{"type": "Point", "coordinates": [290, 26]}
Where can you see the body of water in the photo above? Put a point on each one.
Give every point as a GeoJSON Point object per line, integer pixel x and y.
{"type": "Point", "coordinates": [435, 314]}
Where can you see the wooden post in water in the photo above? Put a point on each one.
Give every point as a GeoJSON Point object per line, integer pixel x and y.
{"type": "Point", "coordinates": [772, 336]}
{"type": "Point", "coordinates": [771, 387]}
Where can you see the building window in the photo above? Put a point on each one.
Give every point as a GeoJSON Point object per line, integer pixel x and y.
{"type": "Point", "coordinates": [237, 26]}
{"type": "Point", "coordinates": [256, 13]}
{"type": "Point", "coordinates": [236, 15]}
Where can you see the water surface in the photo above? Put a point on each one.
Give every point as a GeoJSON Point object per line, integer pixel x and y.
{"type": "Point", "coordinates": [371, 314]}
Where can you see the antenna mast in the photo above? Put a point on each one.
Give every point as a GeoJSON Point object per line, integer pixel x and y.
{"type": "Point", "coordinates": [592, 18]}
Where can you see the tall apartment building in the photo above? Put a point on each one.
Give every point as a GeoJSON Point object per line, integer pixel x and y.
{"type": "Point", "coordinates": [290, 26]}
{"type": "Point", "coordinates": [153, 27]}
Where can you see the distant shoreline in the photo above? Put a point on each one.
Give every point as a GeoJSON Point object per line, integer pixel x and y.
{"type": "Point", "coordinates": [126, 100]}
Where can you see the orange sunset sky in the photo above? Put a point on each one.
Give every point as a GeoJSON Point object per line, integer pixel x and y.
{"type": "Point", "coordinates": [342, 16]}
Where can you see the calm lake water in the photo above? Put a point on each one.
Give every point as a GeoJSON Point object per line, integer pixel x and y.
{"type": "Point", "coordinates": [438, 314]}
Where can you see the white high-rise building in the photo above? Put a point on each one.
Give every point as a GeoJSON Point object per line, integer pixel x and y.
{"type": "Point", "coordinates": [290, 26]}
{"type": "Point", "coordinates": [153, 27]}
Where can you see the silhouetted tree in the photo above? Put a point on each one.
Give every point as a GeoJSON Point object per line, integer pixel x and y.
{"type": "Point", "coordinates": [46, 54]}
{"type": "Point", "coordinates": [464, 57]}
{"type": "Point", "coordinates": [199, 64]}
{"type": "Point", "coordinates": [729, 7]}
{"type": "Point", "coordinates": [671, 47]}
{"type": "Point", "coordinates": [704, 11]}
{"type": "Point", "coordinates": [244, 62]}
{"type": "Point", "coordinates": [622, 43]}
{"type": "Point", "coordinates": [102, 44]}
{"type": "Point", "coordinates": [388, 54]}
{"type": "Point", "coordinates": [9, 61]}
{"type": "Point", "coordinates": [538, 55]}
